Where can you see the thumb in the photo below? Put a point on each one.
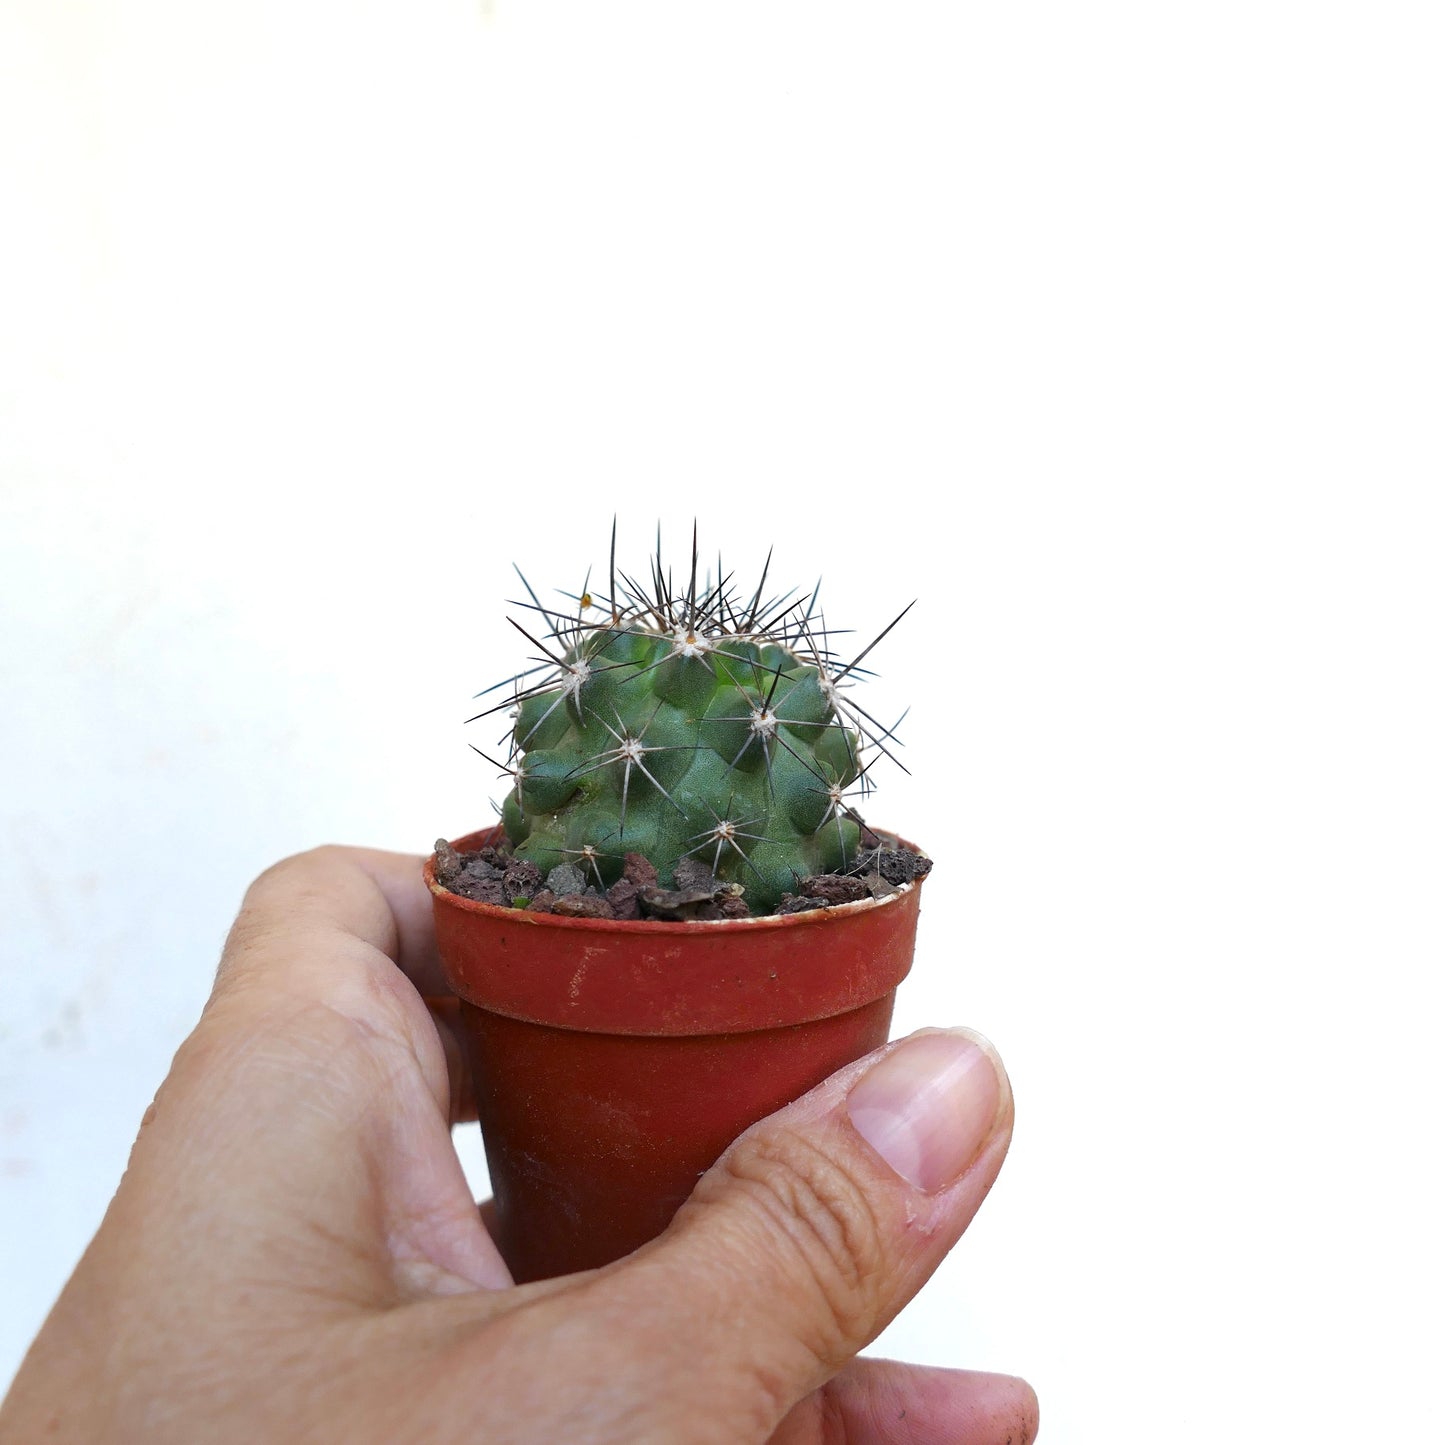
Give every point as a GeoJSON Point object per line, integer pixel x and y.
{"type": "Point", "coordinates": [819, 1224]}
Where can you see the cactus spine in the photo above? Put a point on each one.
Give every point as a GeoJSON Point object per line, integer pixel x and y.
{"type": "Point", "coordinates": [693, 723]}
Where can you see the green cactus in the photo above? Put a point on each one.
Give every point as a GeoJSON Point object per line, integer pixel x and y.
{"type": "Point", "coordinates": [688, 725]}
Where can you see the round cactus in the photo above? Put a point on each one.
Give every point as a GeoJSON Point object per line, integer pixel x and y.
{"type": "Point", "coordinates": [688, 726]}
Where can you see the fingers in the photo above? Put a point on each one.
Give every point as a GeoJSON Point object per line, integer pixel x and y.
{"type": "Point", "coordinates": [349, 929]}
{"type": "Point", "coordinates": [446, 1014]}
{"type": "Point", "coordinates": [317, 1079]}
{"type": "Point", "coordinates": [372, 895]}
{"type": "Point", "coordinates": [883, 1402]}
{"type": "Point", "coordinates": [398, 876]}
{"type": "Point", "coordinates": [822, 1221]}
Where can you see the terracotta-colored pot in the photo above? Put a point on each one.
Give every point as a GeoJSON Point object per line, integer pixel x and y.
{"type": "Point", "coordinates": [615, 1061]}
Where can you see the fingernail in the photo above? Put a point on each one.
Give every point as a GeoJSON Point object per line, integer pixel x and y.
{"type": "Point", "coordinates": [929, 1106]}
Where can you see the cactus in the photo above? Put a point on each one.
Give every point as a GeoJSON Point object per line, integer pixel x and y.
{"type": "Point", "coordinates": [689, 723]}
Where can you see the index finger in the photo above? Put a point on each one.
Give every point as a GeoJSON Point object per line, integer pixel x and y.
{"type": "Point", "coordinates": [351, 929]}
{"type": "Point", "coordinates": [377, 897]}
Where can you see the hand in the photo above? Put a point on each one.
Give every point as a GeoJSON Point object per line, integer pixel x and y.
{"type": "Point", "coordinates": [293, 1253]}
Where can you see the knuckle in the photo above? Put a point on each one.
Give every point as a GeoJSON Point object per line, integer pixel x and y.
{"type": "Point", "coordinates": [819, 1225]}
{"type": "Point", "coordinates": [279, 905]}
{"type": "Point", "coordinates": [302, 865]}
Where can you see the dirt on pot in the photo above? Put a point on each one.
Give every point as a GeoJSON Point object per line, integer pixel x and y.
{"type": "Point", "coordinates": [492, 875]}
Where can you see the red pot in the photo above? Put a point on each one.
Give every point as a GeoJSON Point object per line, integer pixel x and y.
{"type": "Point", "coordinates": [615, 1061]}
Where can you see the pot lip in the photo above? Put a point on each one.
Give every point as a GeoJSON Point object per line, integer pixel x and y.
{"type": "Point", "coordinates": [654, 927]}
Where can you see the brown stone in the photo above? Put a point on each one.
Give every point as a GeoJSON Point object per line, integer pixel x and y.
{"type": "Point", "coordinates": [834, 888]}
{"type": "Point", "coordinates": [583, 905]}
{"type": "Point", "coordinates": [637, 869]}
{"type": "Point", "coordinates": [623, 898]}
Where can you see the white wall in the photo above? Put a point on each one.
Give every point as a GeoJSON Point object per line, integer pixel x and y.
{"type": "Point", "coordinates": [1111, 332]}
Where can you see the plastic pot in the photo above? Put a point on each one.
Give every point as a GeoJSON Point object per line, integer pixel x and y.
{"type": "Point", "coordinates": [615, 1061]}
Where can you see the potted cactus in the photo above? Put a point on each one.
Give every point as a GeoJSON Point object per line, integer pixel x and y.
{"type": "Point", "coordinates": [681, 921]}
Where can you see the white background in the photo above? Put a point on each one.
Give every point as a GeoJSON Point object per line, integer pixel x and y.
{"type": "Point", "coordinates": [1111, 332]}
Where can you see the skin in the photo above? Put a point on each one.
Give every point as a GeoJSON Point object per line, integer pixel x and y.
{"type": "Point", "coordinates": [286, 1260]}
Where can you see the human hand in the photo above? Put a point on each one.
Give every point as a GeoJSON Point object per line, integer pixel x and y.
{"type": "Point", "coordinates": [293, 1253]}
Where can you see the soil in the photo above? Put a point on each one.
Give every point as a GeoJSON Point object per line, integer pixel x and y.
{"type": "Point", "coordinates": [493, 875]}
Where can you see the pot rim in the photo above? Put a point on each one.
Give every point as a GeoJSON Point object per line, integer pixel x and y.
{"type": "Point", "coordinates": [672, 978]}
{"type": "Point", "coordinates": [653, 927]}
